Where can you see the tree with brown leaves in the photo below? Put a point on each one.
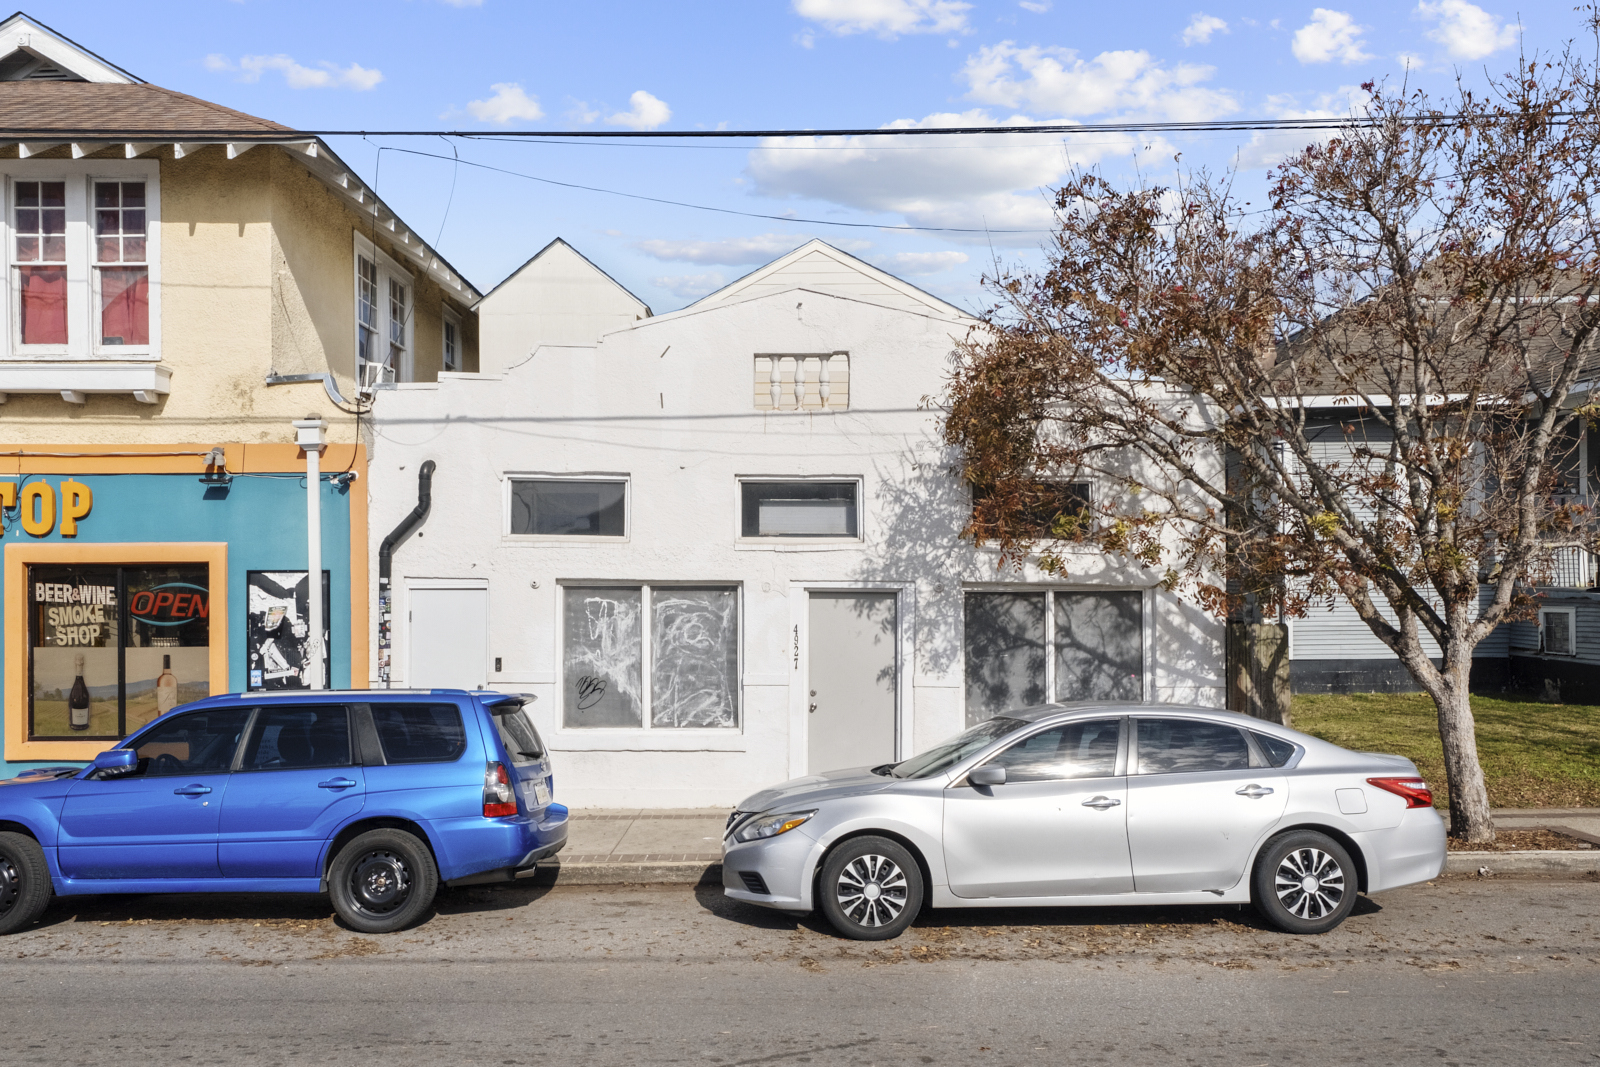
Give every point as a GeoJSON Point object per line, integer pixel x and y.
{"type": "Point", "coordinates": [1362, 389]}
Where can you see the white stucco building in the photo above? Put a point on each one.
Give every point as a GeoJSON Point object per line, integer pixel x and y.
{"type": "Point", "coordinates": [721, 545]}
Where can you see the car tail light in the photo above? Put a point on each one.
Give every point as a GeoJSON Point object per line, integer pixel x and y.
{"type": "Point", "coordinates": [1414, 790]}
{"type": "Point", "coordinates": [498, 799]}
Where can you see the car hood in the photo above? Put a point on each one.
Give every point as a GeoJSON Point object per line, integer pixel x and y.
{"type": "Point", "coordinates": [815, 788]}
{"type": "Point", "coordinates": [36, 775]}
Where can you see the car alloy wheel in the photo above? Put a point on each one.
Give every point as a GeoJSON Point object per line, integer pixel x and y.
{"type": "Point", "coordinates": [872, 890]}
{"type": "Point", "coordinates": [380, 882]}
{"type": "Point", "coordinates": [25, 887]}
{"type": "Point", "coordinates": [1309, 883]}
{"type": "Point", "coordinates": [10, 884]}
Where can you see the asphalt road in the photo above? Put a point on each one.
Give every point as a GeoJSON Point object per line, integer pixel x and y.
{"type": "Point", "coordinates": [1460, 972]}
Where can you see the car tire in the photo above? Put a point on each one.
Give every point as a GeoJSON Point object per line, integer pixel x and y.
{"type": "Point", "coordinates": [382, 881]}
{"type": "Point", "coordinates": [25, 888]}
{"type": "Point", "coordinates": [1304, 882]}
{"type": "Point", "coordinates": [870, 888]}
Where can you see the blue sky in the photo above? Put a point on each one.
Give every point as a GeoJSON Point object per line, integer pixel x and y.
{"type": "Point", "coordinates": [489, 65]}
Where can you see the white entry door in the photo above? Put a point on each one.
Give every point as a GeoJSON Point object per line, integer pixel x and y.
{"type": "Point", "coordinates": [449, 639]}
{"type": "Point", "coordinates": [853, 668]}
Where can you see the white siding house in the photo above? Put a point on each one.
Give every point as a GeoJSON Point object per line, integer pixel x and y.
{"type": "Point", "coordinates": [721, 546]}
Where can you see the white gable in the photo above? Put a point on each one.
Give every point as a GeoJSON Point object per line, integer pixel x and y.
{"type": "Point", "coordinates": [556, 298]}
{"type": "Point", "coordinates": [821, 267]}
{"type": "Point", "coordinates": [32, 51]}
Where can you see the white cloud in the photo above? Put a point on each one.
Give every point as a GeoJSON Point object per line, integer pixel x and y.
{"type": "Point", "coordinates": [1268, 148]}
{"type": "Point", "coordinates": [920, 262]}
{"type": "Point", "coordinates": [690, 286]}
{"type": "Point", "coordinates": [646, 113]}
{"type": "Point", "coordinates": [1329, 35]}
{"type": "Point", "coordinates": [1038, 8]}
{"type": "Point", "coordinates": [324, 75]}
{"type": "Point", "coordinates": [508, 104]}
{"type": "Point", "coordinates": [967, 182]}
{"type": "Point", "coordinates": [1466, 30]}
{"type": "Point", "coordinates": [1055, 81]}
{"type": "Point", "coordinates": [729, 252]}
{"type": "Point", "coordinates": [886, 18]}
{"type": "Point", "coordinates": [464, 3]}
{"type": "Point", "coordinates": [1201, 27]}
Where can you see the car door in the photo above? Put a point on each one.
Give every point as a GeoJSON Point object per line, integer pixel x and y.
{"type": "Point", "coordinates": [297, 782]}
{"type": "Point", "coordinates": [160, 819]}
{"type": "Point", "coordinates": [1055, 828]}
{"type": "Point", "coordinates": [1196, 805]}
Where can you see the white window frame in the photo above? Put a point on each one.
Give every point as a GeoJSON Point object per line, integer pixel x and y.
{"type": "Point", "coordinates": [796, 542]}
{"type": "Point", "coordinates": [83, 315]}
{"type": "Point", "coordinates": [387, 269]}
{"type": "Point", "coordinates": [1572, 631]}
{"type": "Point", "coordinates": [450, 319]}
{"type": "Point", "coordinates": [646, 660]}
{"type": "Point", "coordinates": [508, 477]}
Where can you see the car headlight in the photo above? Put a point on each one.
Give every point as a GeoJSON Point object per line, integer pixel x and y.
{"type": "Point", "coordinates": [772, 825]}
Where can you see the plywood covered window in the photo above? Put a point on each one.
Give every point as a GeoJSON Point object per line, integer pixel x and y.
{"type": "Point", "coordinates": [1032, 646]}
{"type": "Point", "coordinates": [650, 656]}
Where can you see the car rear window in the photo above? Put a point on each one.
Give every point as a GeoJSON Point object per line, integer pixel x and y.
{"type": "Point", "coordinates": [517, 733]}
{"type": "Point", "coordinates": [420, 733]}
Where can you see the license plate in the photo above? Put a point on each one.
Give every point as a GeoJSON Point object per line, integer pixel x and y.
{"type": "Point", "coordinates": [541, 792]}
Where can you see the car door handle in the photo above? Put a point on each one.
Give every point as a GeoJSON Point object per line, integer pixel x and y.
{"type": "Point", "coordinates": [191, 790]}
{"type": "Point", "coordinates": [1101, 803]}
{"type": "Point", "coordinates": [1253, 791]}
{"type": "Point", "coordinates": [336, 783]}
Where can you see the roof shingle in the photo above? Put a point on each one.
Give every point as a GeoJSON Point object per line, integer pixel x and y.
{"type": "Point", "coordinates": [90, 109]}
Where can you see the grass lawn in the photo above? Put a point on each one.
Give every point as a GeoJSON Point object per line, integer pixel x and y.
{"type": "Point", "coordinates": [1534, 755]}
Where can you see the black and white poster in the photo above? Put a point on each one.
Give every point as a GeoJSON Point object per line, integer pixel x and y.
{"type": "Point", "coordinates": [277, 629]}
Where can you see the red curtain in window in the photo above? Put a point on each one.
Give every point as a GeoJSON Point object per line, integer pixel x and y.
{"type": "Point", "coordinates": [44, 305]}
{"type": "Point", "coordinates": [125, 306]}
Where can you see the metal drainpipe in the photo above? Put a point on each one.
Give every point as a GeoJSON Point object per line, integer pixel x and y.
{"type": "Point", "coordinates": [386, 558]}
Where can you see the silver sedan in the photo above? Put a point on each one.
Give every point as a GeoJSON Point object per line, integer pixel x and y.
{"type": "Point", "coordinates": [1100, 805]}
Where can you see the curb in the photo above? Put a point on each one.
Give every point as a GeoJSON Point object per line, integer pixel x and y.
{"type": "Point", "coordinates": [1569, 862]}
{"type": "Point", "coordinates": [694, 872]}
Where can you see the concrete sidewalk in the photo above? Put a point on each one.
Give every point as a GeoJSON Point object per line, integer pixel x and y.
{"type": "Point", "coordinates": [611, 846]}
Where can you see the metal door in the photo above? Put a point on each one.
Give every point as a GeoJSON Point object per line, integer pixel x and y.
{"type": "Point", "coordinates": [449, 639]}
{"type": "Point", "coordinates": [853, 680]}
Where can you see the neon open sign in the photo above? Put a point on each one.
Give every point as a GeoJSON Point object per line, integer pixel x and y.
{"type": "Point", "coordinates": [172, 604]}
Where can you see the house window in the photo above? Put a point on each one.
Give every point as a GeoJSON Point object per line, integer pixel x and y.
{"type": "Point", "coordinates": [40, 227]}
{"type": "Point", "coordinates": [451, 360]}
{"type": "Point", "coordinates": [1045, 509]}
{"type": "Point", "coordinates": [799, 509]}
{"type": "Point", "coordinates": [1558, 631]}
{"type": "Point", "coordinates": [568, 507]}
{"type": "Point", "coordinates": [111, 648]}
{"type": "Point", "coordinates": [1031, 646]}
{"type": "Point", "coordinates": [383, 318]}
{"type": "Point", "coordinates": [650, 657]}
{"type": "Point", "coordinates": [122, 276]}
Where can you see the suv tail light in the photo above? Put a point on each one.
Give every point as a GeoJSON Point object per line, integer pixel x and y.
{"type": "Point", "coordinates": [498, 799]}
{"type": "Point", "coordinates": [1414, 791]}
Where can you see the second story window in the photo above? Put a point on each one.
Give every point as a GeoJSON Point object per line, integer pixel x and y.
{"type": "Point", "coordinates": [40, 225]}
{"type": "Point", "coordinates": [399, 319]}
{"type": "Point", "coordinates": [367, 318]}
{"type": "Point", "coordinates": [799, 509]}
{"type": "Point", "coordinates": [451, 360]}
{"type": "Point", "coordinates": [122, 277]}
{"type": "Point", "coordinates": [568, 507]}
{"type": "Point", "coordinates": [383, 318]}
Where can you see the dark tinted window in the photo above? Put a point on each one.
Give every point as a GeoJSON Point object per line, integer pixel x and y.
{"type": "Point", "coordinates": [518, 734]}
{"type": "Point", "coordinates": [1076, 750]}
{"type": "Point", "coordinates": [308, 735]}
{"type": "Point", "coordinates": [199, 743]}
{"type": "Point", "coordinates": [1171, 746]}
{"type": "Point", "coordinates": [419, 733]}
{"type": "Point", "coordinates": [1276, 749]}
{"type": "Point", "coordinates": [565, 508]}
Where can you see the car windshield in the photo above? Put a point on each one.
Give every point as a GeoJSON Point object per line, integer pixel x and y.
{"type": "Point", "coordinates": [943, 756]}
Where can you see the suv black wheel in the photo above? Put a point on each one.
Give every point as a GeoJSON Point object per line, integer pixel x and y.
{"type": "Point", "coordinates": [870, 889]}
{"type": "Point", "coordinates": [25, 888]}
{"type": "Point", "coordinates": [1304, 882]}
{"type": "Point", "coordinates": [383, 881]}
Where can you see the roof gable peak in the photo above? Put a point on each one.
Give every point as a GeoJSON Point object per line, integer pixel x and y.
{"type": "Point", "coordinates": [32, 51]}
{"type": "Point", "coordinates": [778, 274]}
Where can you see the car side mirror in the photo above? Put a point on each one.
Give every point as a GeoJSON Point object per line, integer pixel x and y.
{"type": "Point", "coordinates": [116, 761]}
{"type": "Point", "coordinates": [988, 774]}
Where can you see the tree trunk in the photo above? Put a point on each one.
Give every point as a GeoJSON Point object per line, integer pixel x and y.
{"type": "Point", "coordinates": [1469, 797]}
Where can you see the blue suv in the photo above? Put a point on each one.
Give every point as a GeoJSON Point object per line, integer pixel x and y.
{"type": "Point", "coordinates": [373, 797]}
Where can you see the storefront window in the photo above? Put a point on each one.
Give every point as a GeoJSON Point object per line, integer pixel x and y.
{"type": "Point", "coordinates": [111, 648]}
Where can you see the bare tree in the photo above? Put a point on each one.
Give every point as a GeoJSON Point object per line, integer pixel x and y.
{"type": "Point", "coordinates": [1365, 387]}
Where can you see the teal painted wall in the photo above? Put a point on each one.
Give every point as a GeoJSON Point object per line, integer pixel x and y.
{"type": "Point", "coordinates": [262, 517]}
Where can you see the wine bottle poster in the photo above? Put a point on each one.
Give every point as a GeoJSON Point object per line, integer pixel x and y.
{"type": "Point", "coordinates": [55, 676]}
{"type": "Point", "coordinates": [161, 678]}
{"type": "Point", "coordinates": [277, 629]}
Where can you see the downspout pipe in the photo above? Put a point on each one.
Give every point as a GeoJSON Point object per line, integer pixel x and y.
{"type": "Point", "coordinates": [386, 560]}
